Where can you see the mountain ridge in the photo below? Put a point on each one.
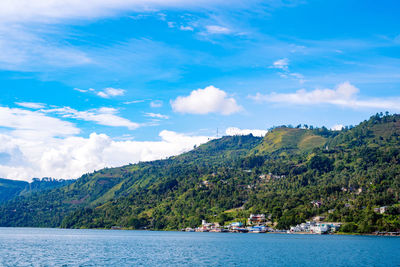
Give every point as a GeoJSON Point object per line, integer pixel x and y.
{"type": "Point", "coordinates": [226, 179]}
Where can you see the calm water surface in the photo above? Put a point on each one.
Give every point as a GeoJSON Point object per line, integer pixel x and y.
{"type": "Point", "coordinates": [59, 247]}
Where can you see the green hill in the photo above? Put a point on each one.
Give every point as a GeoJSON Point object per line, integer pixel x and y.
{"type": "Point", "coordinates": [289, 140]}
{"type": "Point", "coordinates": [349, 172]}
{"type": "Point", "coordinates": [10, 189]}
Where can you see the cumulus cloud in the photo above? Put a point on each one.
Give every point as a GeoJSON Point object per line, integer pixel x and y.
{"type": "Point", "coordinates": [337, 127]}
{"type": "Point", "coordinates": [103, 116]}
{"type": "Point", "coordinates": [31, 105]}
{"type": "Point", "coordinates": [216, 29]}
{"type": "Point", "coordinates": [237, 131]}
{"type": "Point", "coordinates": [345, 95]}
{"type": "Point", "coordinates": [204, 101]}
{"type": "Point", "coordinates": [33, 144]}
{"type": "Point", "coordinates": [73, 156]}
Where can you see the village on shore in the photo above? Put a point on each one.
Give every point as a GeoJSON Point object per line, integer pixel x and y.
{"type": "Point", "coordinates": [259, 223]}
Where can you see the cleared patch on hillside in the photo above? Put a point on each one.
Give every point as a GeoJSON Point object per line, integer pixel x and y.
{"type": "Point", "coordinates": [285, 139]}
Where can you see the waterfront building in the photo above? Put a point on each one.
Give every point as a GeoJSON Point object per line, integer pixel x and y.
{"type": "Point", "coordinates": [256, 219]}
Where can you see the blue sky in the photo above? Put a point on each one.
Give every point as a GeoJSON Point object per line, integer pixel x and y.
{"type": "Point", "coordinates": [150, 74]}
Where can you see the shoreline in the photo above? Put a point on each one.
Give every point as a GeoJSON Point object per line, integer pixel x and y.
{"type": "Point", "coordinates": [149, 230]}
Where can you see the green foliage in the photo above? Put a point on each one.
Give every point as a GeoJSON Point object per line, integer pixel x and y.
{"type": "Point", "coordinates": [289, 140]}
{"type": "Point", "coordinates": [350, 227]}
{"type": "Point", "coordinates": [321, 163]}
{"type": "Point", "coordinates": [10, 189]}
{"type": "Point", "coordinates": [350, 172]}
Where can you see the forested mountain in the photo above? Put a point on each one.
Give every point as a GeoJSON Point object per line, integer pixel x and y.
{"type": "Point", "coordinates": [10, 189]}
{"type": "Point", "coordinates": [347, 173]}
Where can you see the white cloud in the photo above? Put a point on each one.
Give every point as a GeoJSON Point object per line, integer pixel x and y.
{"type": "Point", "coordinates": [111, 92]}
{"type": "Point", "coordinates": [204, 101]}
{"type": "Point", "coordinates": [34, 124]}
{"type": "Point", "coordinates": [81, 90]}
{"type": "Point", "coordinates": [281, 64]}
{"type": "Point", "coordinates": [237, 131]}
{"type": "Point", "coordinates": [135, 101]}
{"type": "Point", "coordinates": [186, 28]}
{"type": "Point", "coordinates": [73, 156]}
{"type": "Point", "coordinates": [102, 116]}
{"type": "Point", "coordinates": [156, 115]}
{"type": "Point", "coordinates": [337, 127]}
{"type": "Point", "coordinates": [51, 10]}
{"type": "Point", "coordinates": [31, 39]}
{"type": "Point", "coordinates": [215, 29]}
{"type": "Point", "coordinates": [34, 144]}
{"type": "Point", "coordinates": [156, 104]}
{"type": "Point", "coordinates": [345, 95]}
{"type": "Point", "coordinates": [30, 48]}
{"type": "Point", "coordinates": [30, 105]}
{"type": "Point", "coordinates": [105, 93]}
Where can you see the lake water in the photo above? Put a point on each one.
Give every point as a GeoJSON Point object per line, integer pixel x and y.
{"type": "Point", "coordinates": [60, 247]}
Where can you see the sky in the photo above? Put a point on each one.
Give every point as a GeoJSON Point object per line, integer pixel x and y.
{"type": "Point", "coordinates": [99, 83]}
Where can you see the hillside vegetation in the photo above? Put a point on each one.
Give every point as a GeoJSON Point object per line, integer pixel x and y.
{"type": "Point", "coordinates": [10, 189]}
{"type": "Point", "coordinates": [348, 172]}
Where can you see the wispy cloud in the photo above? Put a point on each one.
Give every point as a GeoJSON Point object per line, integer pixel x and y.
{"type": "Point", "coordinates": [84, 90]}
{"type": "Point", "coordinates": [25, 48]}
{"type": "Point", "coordinates": [156, 104]}
{"type": "Point", "coordinates": [104, 93]}
{"type": "Point", "coordinates": [111, 92]}
{"type": "Point", "coordinates": [156, 115]}
{"type": "Point", "coordinates": [50, 11]}
{"type": "Point", "coordinates": [34, 37]}
{"type": "Point", "coordinates": [186, 28]}
{"type": "Point", "coordinates": [216, 29]}
{"type": "Point", "coordinates": [34, 124]}
{"type": "Point", "coordinates": [102, 116]}
{"type": "Point", "coordinates": [282, 64]}
{"type": "Point", "coordinates": [345, 95]}
{"type": "Point", "coordinates": [31, 105]}
{"type": "Point", "coordinates": [136, 101]}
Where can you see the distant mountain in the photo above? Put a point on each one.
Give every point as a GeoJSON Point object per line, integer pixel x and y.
{"type": "Point", "coordinates": [292, 174]}
{"type": "Point", "coordinates": [10, 189]}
